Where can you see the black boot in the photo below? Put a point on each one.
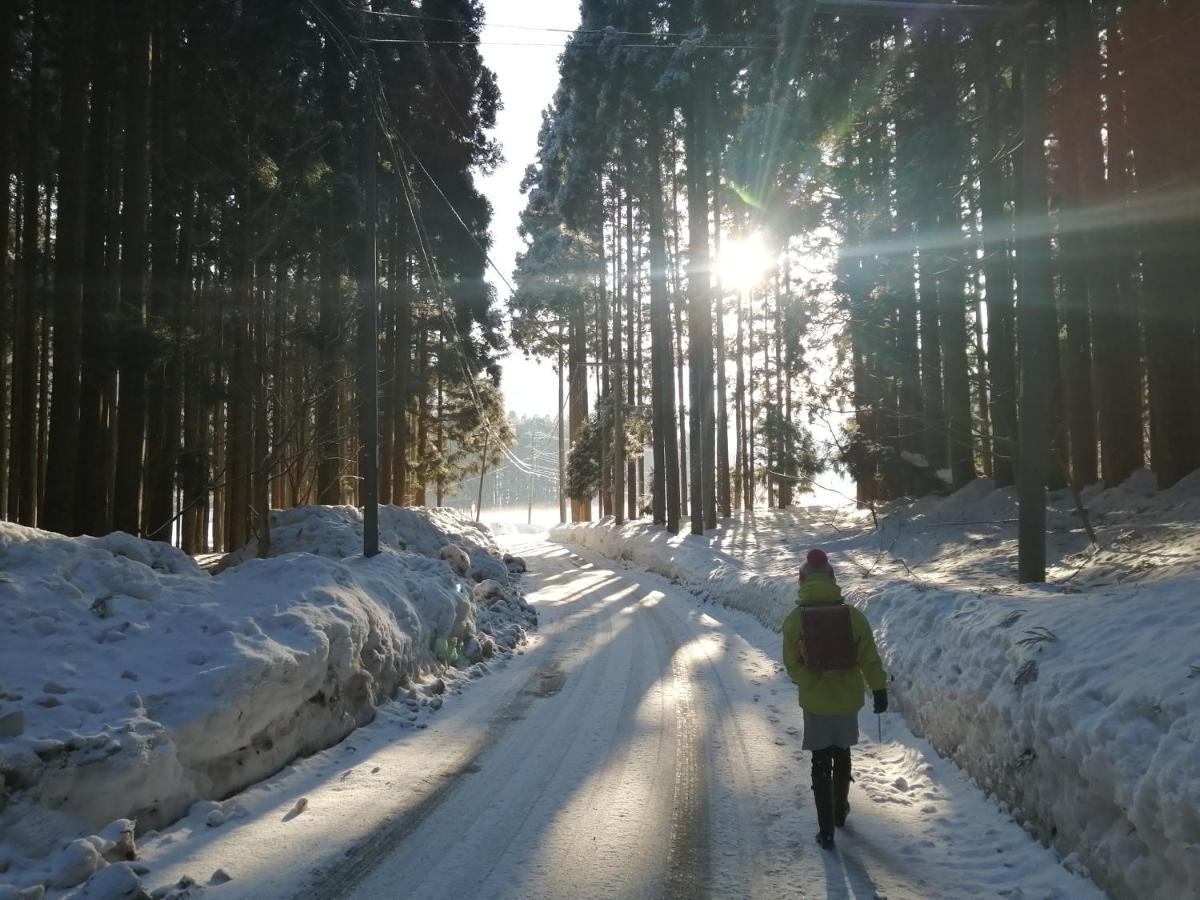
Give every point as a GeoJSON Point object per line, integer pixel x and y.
{"type": "Point", "coordinates": [841, 785]}
{"type": "Point", "coordinates": [822, 788]}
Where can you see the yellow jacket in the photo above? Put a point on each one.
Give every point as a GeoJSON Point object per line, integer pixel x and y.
{"type": "Point", "coordinates": [830, 693]}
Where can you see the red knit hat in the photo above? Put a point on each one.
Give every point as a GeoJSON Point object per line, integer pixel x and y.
{"type": "Point", "coordinates": [817, 558]}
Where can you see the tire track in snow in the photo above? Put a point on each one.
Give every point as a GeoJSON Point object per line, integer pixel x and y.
{"type": "Point", "coordinates": [688, 871]}
{"type": "Point", "coordinates": [383, 842]}
{"type": "Point", "coordinates": [545, 681]}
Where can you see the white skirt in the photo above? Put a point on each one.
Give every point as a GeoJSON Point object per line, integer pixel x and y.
{"type": "Point", "coordinates": [830, 731]}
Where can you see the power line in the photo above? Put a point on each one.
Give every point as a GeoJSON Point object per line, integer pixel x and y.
{"type": "Point", "coordinates": [684, 44]}
{"type": "Point", "coordinates": [383, 113]}
{"type": "Point", "coordinates": [606, 31]}
{"type": "Point", "coordinates": [916, 8]}
{"type": "Point", "coordinates": [374, 94]}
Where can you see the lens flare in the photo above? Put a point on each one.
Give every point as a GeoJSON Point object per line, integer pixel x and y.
{"type": "Point", "coordinates": [745, 262]}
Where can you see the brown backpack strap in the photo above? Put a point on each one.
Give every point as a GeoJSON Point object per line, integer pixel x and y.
{"type": "Point", "coordinates": [828, 638]}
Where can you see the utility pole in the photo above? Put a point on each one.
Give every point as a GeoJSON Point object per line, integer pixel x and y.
{"type": "Point", "coordinates": [369, 326]}
{"type": "Point", "coordinates": [562, 440]}
{"type": "Point", "coordinates": [482, 472]}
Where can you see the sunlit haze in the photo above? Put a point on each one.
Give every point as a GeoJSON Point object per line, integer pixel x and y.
{"type": "Point", "coordinates": [526, 66]}
{"type": "Point", "coordinates": [745, 262]}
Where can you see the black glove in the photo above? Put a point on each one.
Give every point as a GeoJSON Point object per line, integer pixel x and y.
{"type": "Point", "coordinates": [880, 701]}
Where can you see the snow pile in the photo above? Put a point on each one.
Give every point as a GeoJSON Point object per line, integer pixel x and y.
{"type": "Point", "coordinates": [132, 684]}
{"type": "Point", "coordinates": [1077, 702]}
{"type": "Point", "coordinates": [337, 532]}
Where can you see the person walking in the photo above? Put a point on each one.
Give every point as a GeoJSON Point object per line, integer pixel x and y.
{"type": "Point", "coordinates": [829, 652]}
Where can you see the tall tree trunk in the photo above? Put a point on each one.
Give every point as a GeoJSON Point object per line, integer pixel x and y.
{"type": "Point", "coordinates": [617, 381]}
{"type": "Point", "coordinates": [581, 510]}
{"type": "Point", "coordinates": [387, 363]}
{"type": "Point", "coordinates": [952, 315]}
{"type": "Point", "coordinates": [1036, 319]}
{"type": "Point", "coordinates": [63, 449]}
{"type": "Point", "coordinates": [783, 486]}
{"type": "Point", "coordinates": [131, 403]}
{"type": "Point", "coordinates": [421, 449]}
{"type": "Point", "coordinates": [239, 472]}
{"type": "Point", "coordinates": [8, 28]}
{"type": "Point", "coordinates": [404, 340]}
{"type": "Point", "coordinates": [997, 269]}
{"type": "Point", "coordinates": [1167, 252]}
{"type": "Point", "coordinates": [329, 469]}
{"type": "Point", "coordinates": [43, 396]}
{"type": "Point", "coordinates": [279, 362]}
{"type": "Point", "coordinates": [92, 512]}
{"type": "Point", "coordinates": [677, 356]}
{"type": "Point", "coordinates": [910, 411]}
{"type": "Point", "coordinates": [260, 499]}
{"type": "Point", "coordinates": [723, 487]}
{"type": "Point", "coordinates": [633, 350]}
{"type": "Point", "coordinates": [162, 425]}
{"type": "Point", "coordinates": [111, 312]}
{"type": "Point", "coordinates": [741, 479]}
{"type": "Point", "coordinates": [562, 436]}
{"type": "Point", "coordinates": [666, 451]}
{"type": "Point", "coordinates": [983, 406]}
{"type": "Point", "coordinates": [933, 76]}
{"type": "Point", "coordinates": [603, 361]}
{"type": "Point", "coordinates": [1082, 176]}
{"type": "Point", "coordinates": [1116, 323]}
{"type": "Point", "coordinates": [750, 456]}
{"type": "Point", "coordinates": [702, 466]}
{"type": "Point", "coordinates": [22, 484]}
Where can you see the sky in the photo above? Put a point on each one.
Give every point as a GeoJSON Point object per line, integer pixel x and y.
{"type": "Point", "coordinates": [528, 77]}
{"type": "Point", "coordinates": [521, 46]}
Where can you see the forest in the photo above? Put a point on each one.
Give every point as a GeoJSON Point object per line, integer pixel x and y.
{"type": "Point", "coordinates": [971, 226]}
{"type": "Point", "coordinates": [182, 246]}
{"type": "Point", "coordinates": [1008, 191]}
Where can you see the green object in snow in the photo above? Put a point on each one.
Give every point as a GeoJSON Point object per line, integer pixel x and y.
{"type": "Point", "coordinates": [441, 649]}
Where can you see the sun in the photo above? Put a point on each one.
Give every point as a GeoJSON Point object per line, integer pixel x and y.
{"type": "Point", "coordinates": [744, 262]}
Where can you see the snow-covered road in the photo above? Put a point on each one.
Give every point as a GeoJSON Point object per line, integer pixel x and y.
{"type": "Point", "coordinates": [646, 745]}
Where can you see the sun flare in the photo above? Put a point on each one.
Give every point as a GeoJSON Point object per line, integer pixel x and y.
{"type": "Point", "coordinates": [744, 262]}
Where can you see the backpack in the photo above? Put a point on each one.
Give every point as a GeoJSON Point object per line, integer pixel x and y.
{"type": "Point", "coordinates": [828, 639]}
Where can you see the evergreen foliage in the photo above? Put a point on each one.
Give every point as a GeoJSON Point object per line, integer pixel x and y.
{"type": "Point", "coordinates": [183, 212]}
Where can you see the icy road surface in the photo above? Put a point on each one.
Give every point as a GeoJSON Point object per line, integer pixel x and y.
{"type": "Point", "coordinates": [645, 745]}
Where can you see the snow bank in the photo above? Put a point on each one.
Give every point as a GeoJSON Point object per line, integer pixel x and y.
{"type": "Point", "coordinates": [133, 684]}
{"type": "Point", "coordinates": [1076, 703]}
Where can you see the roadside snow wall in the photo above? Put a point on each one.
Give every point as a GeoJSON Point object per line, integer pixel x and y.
{"type": "Point", "coordinates": [133, 684]}
{"type": "Point", "coordinates": [1077, 704]}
